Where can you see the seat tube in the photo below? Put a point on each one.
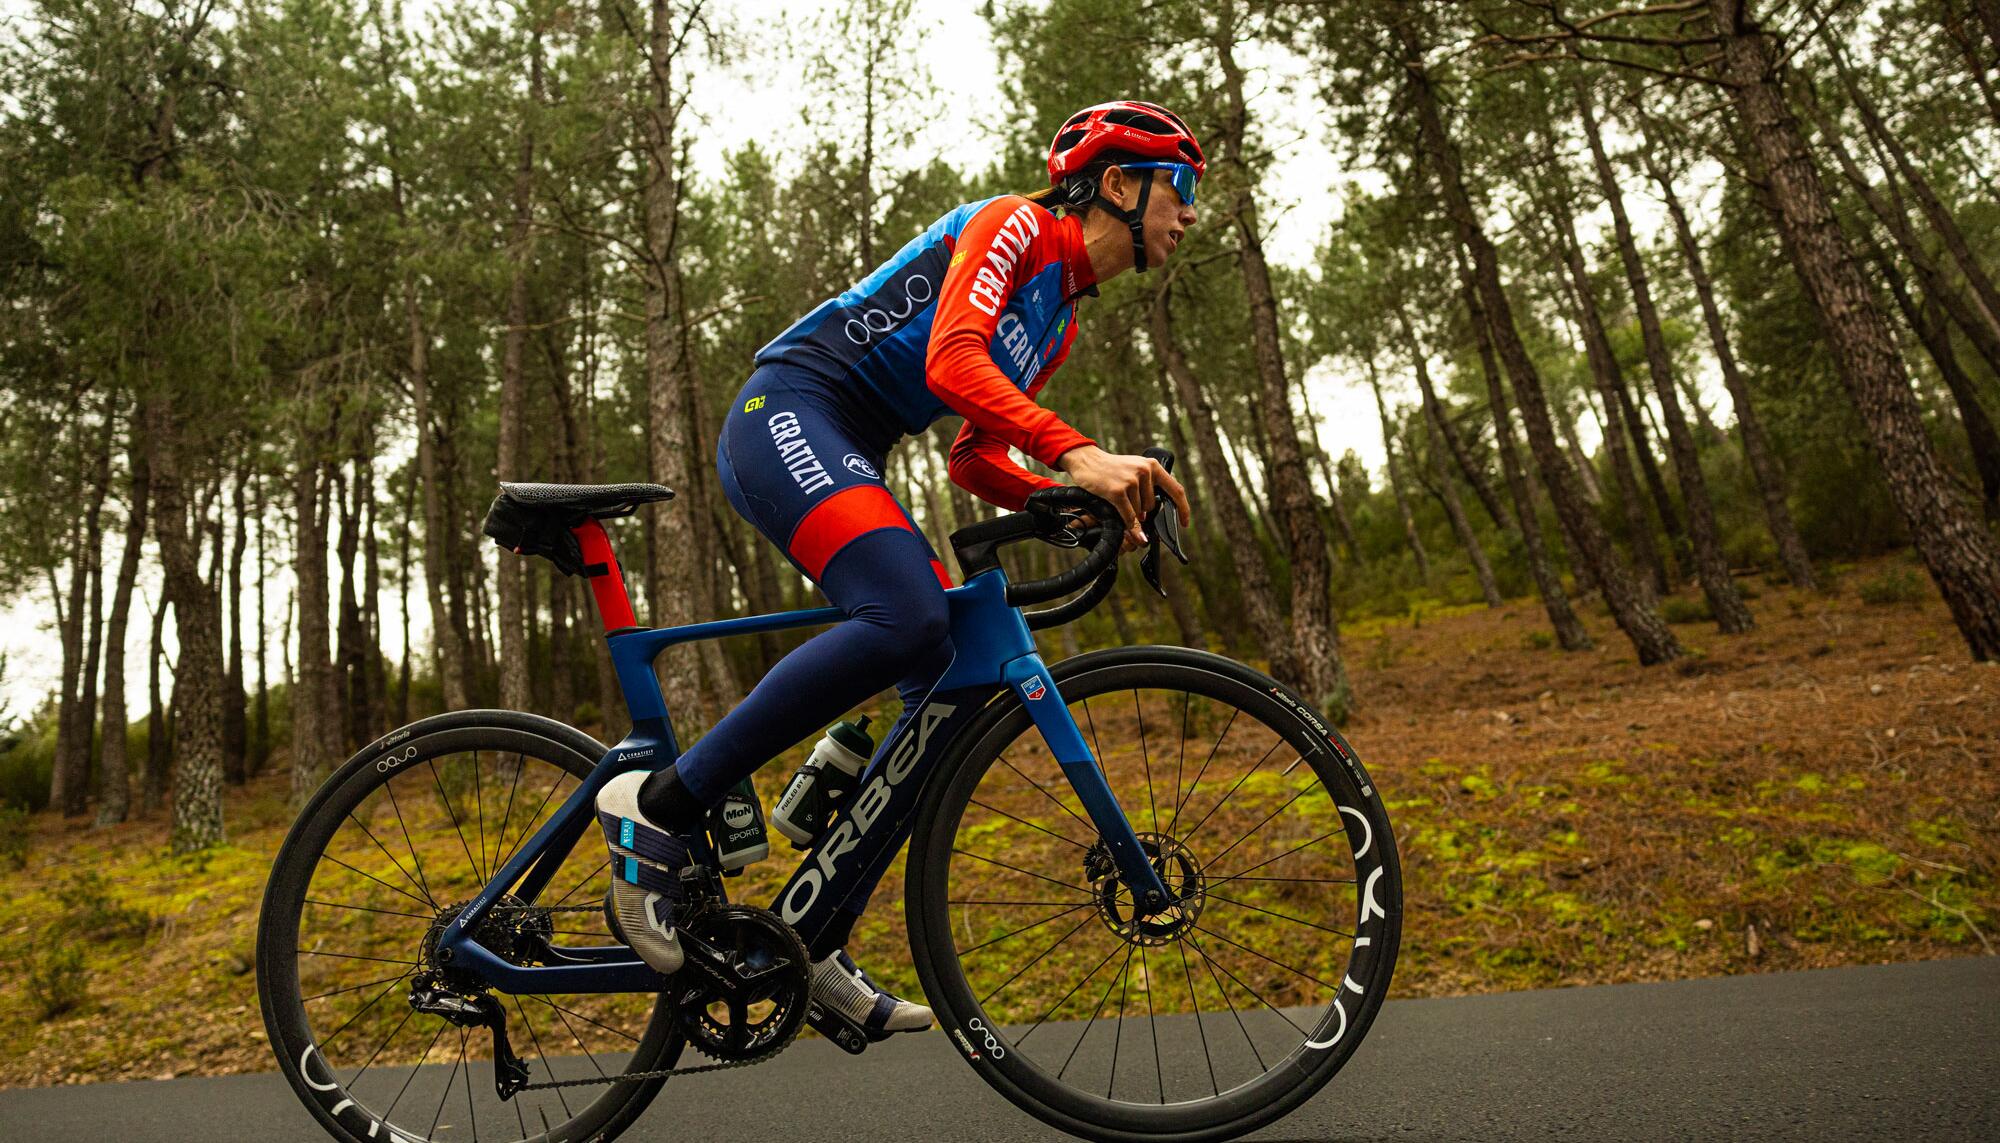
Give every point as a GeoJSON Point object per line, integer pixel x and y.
{"type": "Point", "coordinates": [607, 580]}
{"type": "Point", "coordinates": [1029, 677]}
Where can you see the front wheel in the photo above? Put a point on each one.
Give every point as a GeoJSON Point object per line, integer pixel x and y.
{"type": "Point", "coordinates": [1200, 1025]}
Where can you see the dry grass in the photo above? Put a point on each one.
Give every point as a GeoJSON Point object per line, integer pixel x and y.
{"type": "Point", "coordinates": [1822, 791]}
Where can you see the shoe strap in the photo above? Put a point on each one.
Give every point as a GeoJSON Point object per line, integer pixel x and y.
{"type": "Point", "coordinates": [654, 845]}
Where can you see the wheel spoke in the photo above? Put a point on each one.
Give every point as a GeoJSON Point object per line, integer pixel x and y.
{"type": "Point", "coordinates": [415, 1068]}
{"type": "Point", "coordinates": [448, 1082]}
{"type": "Point", "coordinates": [1299, 972]}
{"type": "Point", "coordinates": [1146, 760]}
{"type": "Point", "coordinates": [1016, 869]}
{"type": "Point", "coordinates": [1045, 793]}
{"type": "Point", "coordinates": [1159, 1069]}
{"type": "Point", "coordinates": [416, 859]}
{"type": "Point", "coordinates": [1031, 825]}
{"type": "Point", "coordinates": [1280, 916]}
{"type": "Point", "coordinates": [363, 826]}
{"type": "Point", "coordinates": [1187, 974]}
{"type": "Point", "coordinates": [354, 956]}
{"type": "Point", "coordinates": [1092, 1022]}
{"type": "Point", "coordinates": [1019, 972]}
{"type": "Point", "coordinates": [1065, 996]}
{"type": "Point", "coordinates": [479, 802]}
{"type": "Point", "coordinates": [507, 819]}
{"type": "Point", "coordinates": [1244, 875]}
{"type": "Point", "coordinates": [452, 813]}
{"type": "Point", "coordinates": [1188, 795]}
{"type": "Point", "coordinates": [1025, 928]}
{"type": "Point", "coordinates": [586, 1019]}
{"type": "Point", "coordinates": [1193, 833]}
{"type": "Point", "coordinates": [1252, 832]}
{"type": "Point", "coordinates": [536, 1039]}
{"type": "Point", "coordinates": [370, 909]}
{"type": "Point", "coordinates": [377, 880]}
{"type": "Point", "coordinates": [370, 1061]}
{"type": "Point", "coordinates": [528, 829]}
{"type": "Point", "coordinates": [1209, 962]}
{"type": "Point", "coordinates": [363, 1010]}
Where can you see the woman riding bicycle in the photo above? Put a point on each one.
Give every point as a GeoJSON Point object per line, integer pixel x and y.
{"type": "Point", "coordinates": [970, 318]}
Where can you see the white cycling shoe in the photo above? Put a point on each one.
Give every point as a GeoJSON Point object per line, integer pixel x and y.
{"type": "Point", "coordinates": [839, 983]}
{"type": "Point", "coordinates": [646, 864]}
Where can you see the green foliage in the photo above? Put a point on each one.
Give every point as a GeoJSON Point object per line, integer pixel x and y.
{"type": "Point", "coordinates": [15, 834]}
{"type": "Point", "coordinates": [1893, 586]}
{"type": "Point", "coordinates": [93, 910]}
{"type": "Point", "coordinates": [1676, 609]}
{"type": "Point", "coordinates": [27, 758]}
{"type": "Point", "coordinates": [58, 981]}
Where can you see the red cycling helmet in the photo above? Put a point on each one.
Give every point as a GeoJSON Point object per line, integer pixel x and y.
{"type": "Point", "coordinates": [1144, 129]}
{"type": "Point", "coordinates": [1128, 131]}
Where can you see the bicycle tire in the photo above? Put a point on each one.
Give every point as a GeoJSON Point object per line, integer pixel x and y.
{"type": "Point", "coordinates": [348, 1115]}
{"type": "Point", "coordinates": [994, 1045]}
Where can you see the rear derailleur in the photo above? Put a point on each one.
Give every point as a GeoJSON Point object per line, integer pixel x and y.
{"type": "Point", "coordinates": [481, 1010]}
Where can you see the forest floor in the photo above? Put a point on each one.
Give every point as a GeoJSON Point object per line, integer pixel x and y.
{"type": "Point", "coordinates": [1822, 791]}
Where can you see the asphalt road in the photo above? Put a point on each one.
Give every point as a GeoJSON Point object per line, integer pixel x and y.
{"type": "Point", "coordinates": [1897, 1051]}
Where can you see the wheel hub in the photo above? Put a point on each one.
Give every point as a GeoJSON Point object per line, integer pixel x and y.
{"type": "Point", "coordinates": [1178, 871]}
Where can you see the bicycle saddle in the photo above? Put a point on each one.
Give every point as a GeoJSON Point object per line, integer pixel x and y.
{"type": "Point", "coordinates": [598, 501]}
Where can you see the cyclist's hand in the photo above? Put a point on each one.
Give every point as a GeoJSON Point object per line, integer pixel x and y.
{"type": "Point", "coordinates": [1128, 483]}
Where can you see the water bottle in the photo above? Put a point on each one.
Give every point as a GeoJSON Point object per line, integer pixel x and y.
{"type": "Point", "coordinates": [737, 825]}
{"type": "Point", "coordinates": [827, 779]}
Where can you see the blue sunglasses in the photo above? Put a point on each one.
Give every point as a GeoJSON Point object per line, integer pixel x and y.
{"type": "Point", "coordinates": [1184, 177]}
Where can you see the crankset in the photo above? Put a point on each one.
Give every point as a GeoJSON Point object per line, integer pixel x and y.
{"type": "Point", "coordinates": [742, 993]}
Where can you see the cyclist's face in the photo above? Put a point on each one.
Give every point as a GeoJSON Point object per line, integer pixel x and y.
{"type": "Point", "coordinates": [1168, 219]}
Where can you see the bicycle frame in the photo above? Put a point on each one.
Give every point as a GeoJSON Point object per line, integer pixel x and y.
{"type": "Point", "coordinates": [994, 650]}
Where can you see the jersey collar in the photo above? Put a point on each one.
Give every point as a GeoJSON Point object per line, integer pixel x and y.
{"type": "Point", "coordinates": [1078, 280]}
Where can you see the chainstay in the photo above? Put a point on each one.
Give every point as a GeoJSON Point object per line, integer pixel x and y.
{"type": "Point", "coordinates": [629, 1077]}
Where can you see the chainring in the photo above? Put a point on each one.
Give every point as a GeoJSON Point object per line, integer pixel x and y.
{"type": "Point", "coordinates": [742, 995]}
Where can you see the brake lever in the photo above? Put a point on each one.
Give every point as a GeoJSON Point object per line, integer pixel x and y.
{"type": "Point", "coordinates": [1163, 527]}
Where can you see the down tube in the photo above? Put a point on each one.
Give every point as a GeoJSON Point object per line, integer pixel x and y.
{"type": "Point", "coordinates": [864, 838]}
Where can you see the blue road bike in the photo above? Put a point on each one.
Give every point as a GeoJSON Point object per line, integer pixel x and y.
{"type": "Point", "coordinates": [1150, 893]}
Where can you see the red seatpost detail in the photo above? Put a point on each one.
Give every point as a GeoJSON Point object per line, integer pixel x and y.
{"type": "Point", "coordinates": [607, 582]}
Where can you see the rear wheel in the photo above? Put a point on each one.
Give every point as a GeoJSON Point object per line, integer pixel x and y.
{"type": "Point", "coordinates": [1200, 1025]}
{"type": "Point", "coordinates": [387, 852]}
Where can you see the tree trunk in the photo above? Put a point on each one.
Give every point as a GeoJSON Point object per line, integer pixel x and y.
{"type": "Point", "coordinates": [1772, 486]}
{"type": "Point", "coordinates": [1963, 310]}
{"type": "Point", "coordinates": [513, 401]}
{"type": "Point", "coordinates": [1653, 641]}
{"type": "Point", "coordinates": [1395, 474]}
{"type": "Point", "coordinates": [1569, 630]}
{"type": "Point", "coordinates": [352, 723]}
{"type": "Point", "coordinates": [235, 727]}
{"type": "Point", "coordinates": [1253, 575]}
{"type": "Point", "coordinates": [1928, 320]}
{"type": "Point", "coordinates": [447, 619]}
{"type": "Point", "coordinates": [154, 766]}
{"type": "Point", "coordinates": [198, 674]}
{"type": "Point", "coordinates": [114, 801]}
{"type": "Point", "coordinates": [1942, 223]}
{"type": "Point", "coordinates": [1321, 675]}
{"type": "Point", "coordinates": [1435, 412]}
{"type": "Point", "coordinates": [676, 566]}
{"type": "Point", "coordinates": [1604, 370]}
{"type": "Point", "coordinates": [314, 727]}
{"type": "Point", "coordinates": [93, 630]}
{"type": "Point", "coordinates": [1711, 565]}
{"type": "Point", "coordinates": [1961, 555]}
{"type": "Point", "coordinates": [1454, 510]}
{"type": "Point", "coordinates": [260, 720]}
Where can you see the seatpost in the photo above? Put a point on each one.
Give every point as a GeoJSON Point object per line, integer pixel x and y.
{"type": "Point", "coordinates": [607, 581]}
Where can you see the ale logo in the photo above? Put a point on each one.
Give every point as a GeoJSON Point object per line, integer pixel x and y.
{"type": "Point", "coordinates": [1034, 689]}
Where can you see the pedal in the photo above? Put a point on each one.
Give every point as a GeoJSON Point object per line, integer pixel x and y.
{"type": "Point", "coordinates": [852, 1038]}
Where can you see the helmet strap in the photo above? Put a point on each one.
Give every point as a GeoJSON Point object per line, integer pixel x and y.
{"type": "Point", "coordinates": [1134, 220]}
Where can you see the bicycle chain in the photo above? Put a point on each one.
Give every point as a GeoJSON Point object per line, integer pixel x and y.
{"type": "Point", "coordinates": [628, 1077]}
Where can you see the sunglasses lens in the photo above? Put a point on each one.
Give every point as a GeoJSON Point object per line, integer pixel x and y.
{"type": "Point", "coordinates": [1184, 183]}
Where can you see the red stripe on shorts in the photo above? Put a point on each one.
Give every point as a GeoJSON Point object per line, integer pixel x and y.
{"type": "Point", "coordinates": [944, 577]}
{"type": "Point", "coordinates": [838, 519]}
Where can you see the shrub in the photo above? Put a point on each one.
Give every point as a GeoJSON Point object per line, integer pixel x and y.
{"type": "Point", "coordinates": [1539, 640]}
{"type": "Point", "coordinates": [13, 837]}
{"type": "Point", "coordinates": [1897, 585]}
{"type": "Point", "coordinates": [1677, 610]}
{"type": "Point", "coordinates": [90, 910]}
{"type": "Point", "coordinates": [57, 980]}
{"type": "Point", "coordinates": [27, 758]}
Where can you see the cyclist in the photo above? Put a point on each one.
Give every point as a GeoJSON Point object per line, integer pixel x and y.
{"type": "Point", "coordinates": [971, 317]}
